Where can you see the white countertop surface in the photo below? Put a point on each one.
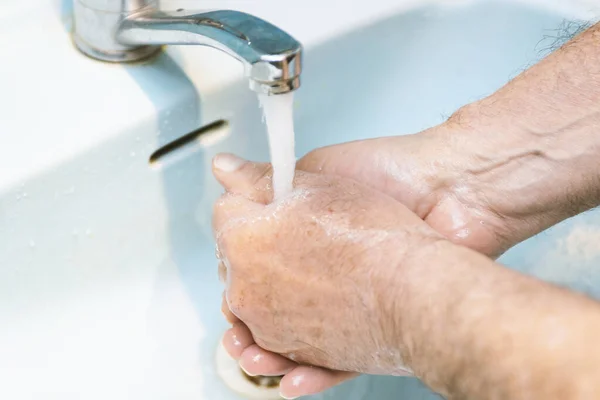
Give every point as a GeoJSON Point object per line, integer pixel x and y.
{"type": "Point", "coordinates": [50, 94]}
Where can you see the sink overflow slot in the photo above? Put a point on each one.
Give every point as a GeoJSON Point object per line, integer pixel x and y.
{"type": "Point", "coordinates": [205, 136]}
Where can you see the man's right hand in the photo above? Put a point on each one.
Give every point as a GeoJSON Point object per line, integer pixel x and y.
{"type": "Point", "coordinates": [429, 173]}
{"type": "Point", "coordinates": [484, 184]}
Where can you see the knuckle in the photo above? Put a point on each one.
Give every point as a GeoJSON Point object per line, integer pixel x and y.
{"type": "Point", "coordinates": [219, 210]}
{"type": "Point", "coordinates": [236, 303]}
{"type": "Point", "coordinates": [266, 173]}
{"type": "Point", "coordinates": [261, 184]}
{"type": "Point", "coordinates": [231, 242]}
{"type": "Point", "coordinates": [263, 344]}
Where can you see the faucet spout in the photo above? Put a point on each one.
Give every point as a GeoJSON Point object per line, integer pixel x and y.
{"type": "Point", "coordinates": [129, 30]}
{"type": "Point", "coordinates": [272, 58]}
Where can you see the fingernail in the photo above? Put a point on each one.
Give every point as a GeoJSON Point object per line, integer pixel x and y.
{"type": "Point", "coordinates": [228, 162]}
{"type": "Point", "coordinates": [246, 372]}
{"type": "Point", "coordinates": [287, 398]}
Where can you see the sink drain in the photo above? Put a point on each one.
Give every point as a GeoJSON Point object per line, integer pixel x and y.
{"type": "Point", "coordinates": [250, 387]}
{"type": "Point", "coordinates": [267, 382]}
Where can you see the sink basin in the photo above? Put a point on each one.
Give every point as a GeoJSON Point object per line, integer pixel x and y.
{"type": "Point", "coordinates": [108, 279]}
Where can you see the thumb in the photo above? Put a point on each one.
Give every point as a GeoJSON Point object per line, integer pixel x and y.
{"type": "Point", "coordinates": [249, 179]}
{"type": "Point", "coordinates": [344, 159]}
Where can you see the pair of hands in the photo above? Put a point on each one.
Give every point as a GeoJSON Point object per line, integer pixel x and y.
{"type": "Point", "coordinates": [360, 210]}
{"type": "Point", "coordinates": [318, 278]}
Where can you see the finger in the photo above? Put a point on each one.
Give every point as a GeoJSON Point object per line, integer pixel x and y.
{"type": "Point", "coordinates": [249, 179]}
{"type": "Point", "coordinates": [319, 160]}
{"type": "Point", "coordinates": [237, 339]}
{"type": "Point", "coordinates": [339, 159]}
{"type": "Point", "coordinates": [257, 361]}
{"type": "Point", "coordinates": [229, 316]}
{"type": "Point", "coordinates": [254, 180]}
{"type": "Point", "coordinates": [305, 380]}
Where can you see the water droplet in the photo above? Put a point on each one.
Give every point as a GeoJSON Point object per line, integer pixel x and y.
{"type": "Point", "coordinates": [70, 190]}
{"type": "Point", "coordinates": [18, 197]}
{"type": "Point", "coordinates": [24, 194]}
{"type": "Point", "coordinates": [88, 232]}
{"type": "Point", "coordinates": [31, 244]}
{"type": "Point", "coordinates": [132, 154]}
{"type": "Point", "coordinates": [168, 112]}
{"type": "Point", "coordinates": [75, 232]}
{"type": "Point", "coordinates": [137, 139]}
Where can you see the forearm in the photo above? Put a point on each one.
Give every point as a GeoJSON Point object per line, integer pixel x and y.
{"type": "Point", "coordinates": [481, 331]}
{"type": "Point", "coordinates": [532, 151]}
{"type": "Point", "coordinates": [533, 147]}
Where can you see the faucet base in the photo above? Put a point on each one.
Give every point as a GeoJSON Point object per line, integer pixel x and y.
{"type": "Point", "coordinates": [130, 55]}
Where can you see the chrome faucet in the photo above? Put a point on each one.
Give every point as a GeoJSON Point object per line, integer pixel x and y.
{"type": "Point", "coordinates": [132, 30]}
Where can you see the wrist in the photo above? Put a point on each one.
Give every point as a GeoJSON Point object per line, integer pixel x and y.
{"type": "Point", "coordinates": [431, 286]}
{"type": "Point", "coordinates": [417, 310]}
{"type": "Point", "coordinates": [403, 254]}
{"type": "Point", "coordinates": [528, 178]}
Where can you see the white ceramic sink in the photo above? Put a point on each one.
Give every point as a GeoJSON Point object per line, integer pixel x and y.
{"type": "Point", "coordinates": [108, 280]}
